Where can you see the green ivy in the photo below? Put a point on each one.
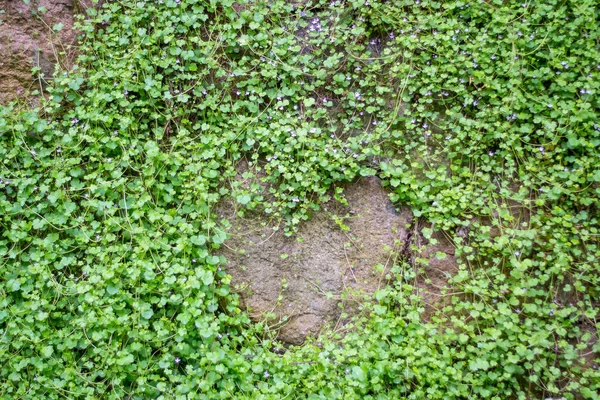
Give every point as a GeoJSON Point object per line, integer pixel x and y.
{"type": "Point", "coordinates": [482, 116]}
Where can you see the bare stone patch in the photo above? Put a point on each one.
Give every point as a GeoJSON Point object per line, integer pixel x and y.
{"type": "Point", "coordinates": [298, 281]}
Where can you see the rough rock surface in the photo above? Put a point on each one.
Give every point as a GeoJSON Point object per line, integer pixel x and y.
{"type": "Point", "coordinates": [303, 277]}
{"type": "Point", "coordinates": [27, 39]}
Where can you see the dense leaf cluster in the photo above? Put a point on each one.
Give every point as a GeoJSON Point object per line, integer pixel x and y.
{"type": "Point", "coordinates": [482, 116]}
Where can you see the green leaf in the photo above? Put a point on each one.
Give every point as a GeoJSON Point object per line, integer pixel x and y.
{"type": "Point", "coordinates": [309, 102]}
{"type": "Point", "coordinates": [112, 289]}
{"type": "Point", "coordinates": [243, 199]}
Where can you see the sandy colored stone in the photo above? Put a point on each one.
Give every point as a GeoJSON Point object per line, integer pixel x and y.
{"type": "Point", "coordinates": [301, 279]}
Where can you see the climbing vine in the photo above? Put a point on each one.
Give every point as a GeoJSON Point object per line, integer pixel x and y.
{"type": "Point", "coordinates": [481, 116]}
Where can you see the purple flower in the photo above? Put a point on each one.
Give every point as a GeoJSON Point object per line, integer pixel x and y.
{"type": "Point", "coordinates": [177, 360]}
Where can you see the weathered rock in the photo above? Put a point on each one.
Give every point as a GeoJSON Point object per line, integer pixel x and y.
{"type": "Point", "coordinates": [303, 277]}
{"type": "Point", "coordinates": [27, 39]}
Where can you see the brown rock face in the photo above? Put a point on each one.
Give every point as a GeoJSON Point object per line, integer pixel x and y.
{"type": "Point", "coordinates": [303, 277]}
{"type": "Point", "coordinates": [27, 40]}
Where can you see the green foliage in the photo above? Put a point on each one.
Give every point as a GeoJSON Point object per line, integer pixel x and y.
{"type": "Point", "coordinates": [479, 115]}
